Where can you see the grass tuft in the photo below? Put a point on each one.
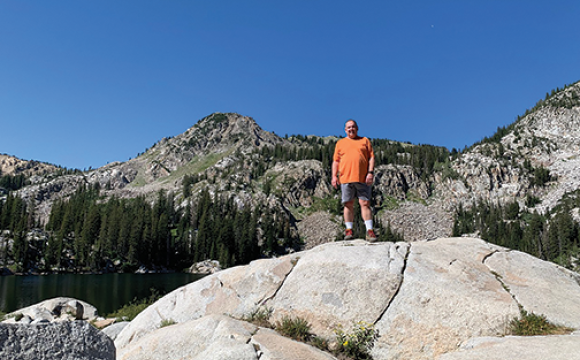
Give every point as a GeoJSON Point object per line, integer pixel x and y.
{"type": "Point", "coordinates": [167, 322]}
{"type": "Point", "coordinates": [530, 324]}
{"type": "Point", "coordinates": [294, 328]}
{"type": "Point", "coordinates": [259, 317]}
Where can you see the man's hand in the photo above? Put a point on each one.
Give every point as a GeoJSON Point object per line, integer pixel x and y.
{"type": "Point", "coordinates": [370, 178]}
{"type": "Point", "coordinates": [335, 182]}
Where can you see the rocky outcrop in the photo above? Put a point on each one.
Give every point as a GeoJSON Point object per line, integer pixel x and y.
{"type": "Point", "coordinates": [299, 182]}
{"type": "Point", "coordinates": [56, 341]}
{"type": "Point", "coordinates": [54, 310]}
{"type": "Point", "coordinates": [205, 267]}
{"type": "Point", "coordinates": [399, 182]}
{"type": "Point", "coordinates": [427, 299]}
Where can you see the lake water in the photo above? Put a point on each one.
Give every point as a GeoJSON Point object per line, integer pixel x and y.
{"type": "Point", "coordinates": [106, 292]}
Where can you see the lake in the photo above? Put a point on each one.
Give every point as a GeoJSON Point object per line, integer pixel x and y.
{"type": "Point", "coordinates": [106, 292]}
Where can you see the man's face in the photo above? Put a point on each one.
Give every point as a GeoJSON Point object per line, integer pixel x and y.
{"type": "Point", "coordinates": [351, 129]}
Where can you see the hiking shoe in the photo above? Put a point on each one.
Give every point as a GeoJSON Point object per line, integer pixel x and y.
{"type": "Point", "coordinates": [348, 234]}
{"type": "Point", "coordinates": [371, 237]}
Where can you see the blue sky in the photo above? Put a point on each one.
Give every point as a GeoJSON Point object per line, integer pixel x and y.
{"type": "Point", "coordinates": [85, 83]}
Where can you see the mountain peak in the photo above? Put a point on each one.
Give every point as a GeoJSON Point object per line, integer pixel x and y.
{"type": "Point", "coordinates": [217, 133]}
{"type": "Point", "coordinates": [10, 165]}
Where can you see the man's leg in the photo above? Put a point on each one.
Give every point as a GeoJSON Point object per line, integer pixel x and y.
{"type": "Point", "coordinates": [349, 211]}
{"type": "Point", "coordinates": [348, 218]}
{"type": "Point", "coordinates": [365, 209]}
{"type": "Point", "coordinates": [367, 215]}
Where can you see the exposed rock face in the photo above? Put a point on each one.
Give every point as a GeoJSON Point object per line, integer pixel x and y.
{"type": "Point", "coordinates": [525, 282]}
{"type": "Point", "coordinates": [396, 181]}
{"type": "Point", "coordinates": [57, 341]}
{"type": "Point", "coordinates": [298, 182]}
{"type": "Point", "coordinates": [426, 299]}
{"type": "Point", "coordinates": [206, 145]}
{"type": "Point", "coordinates": [247, 287]}
{"type": "Point", "coordinates": [437, 301]}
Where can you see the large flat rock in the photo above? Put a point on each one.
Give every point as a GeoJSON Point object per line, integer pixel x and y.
{"type": "Point", "coordinates": [236, 291]}
{"type": "Point", "coordinates": [448, 295]}
{"type": "Point", "coordinates": [341, 283]}
{"type": "Point", "coordinates": [540, 287]}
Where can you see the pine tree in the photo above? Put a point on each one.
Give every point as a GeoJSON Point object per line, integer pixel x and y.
{"type": "Point", "coordinates": [50, 253]}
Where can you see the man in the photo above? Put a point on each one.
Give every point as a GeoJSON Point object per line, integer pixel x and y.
{"type": "Point", "coordinates": [353, 169]}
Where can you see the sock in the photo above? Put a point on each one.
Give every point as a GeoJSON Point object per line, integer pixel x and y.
{"type": "Point", "coordinates": [369, 224]}
{"type": "Point", "coordinates": [348, 225]}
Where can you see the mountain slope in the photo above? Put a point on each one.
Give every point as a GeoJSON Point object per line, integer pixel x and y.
{"type": "Point", "coordinates": [509, 169]}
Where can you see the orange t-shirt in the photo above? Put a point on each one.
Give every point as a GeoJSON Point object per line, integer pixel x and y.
{"type": "Point", "coordinates": [353, 157]}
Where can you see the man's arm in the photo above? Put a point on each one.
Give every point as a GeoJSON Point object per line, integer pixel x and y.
{"type": "Point", "coordinates": [370, 172]}
{"type": "Point", "coordinates": [335, 182]}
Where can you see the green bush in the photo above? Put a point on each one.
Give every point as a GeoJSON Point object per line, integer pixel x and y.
{"type": "Point", "coordinates": [130, 311]}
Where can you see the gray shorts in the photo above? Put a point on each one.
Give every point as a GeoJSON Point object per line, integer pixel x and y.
{"type": "Point", "coordinates": [352, 190]}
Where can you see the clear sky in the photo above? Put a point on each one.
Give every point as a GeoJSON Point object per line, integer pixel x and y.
{"type": "Point", "coordinates": [85, 83]}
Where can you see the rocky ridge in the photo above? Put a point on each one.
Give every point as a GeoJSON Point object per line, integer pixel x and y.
{"type": "Point", "coordinates": [549, 137]}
